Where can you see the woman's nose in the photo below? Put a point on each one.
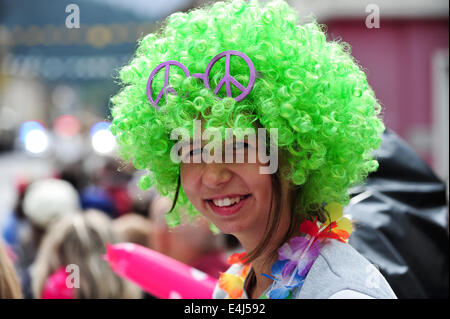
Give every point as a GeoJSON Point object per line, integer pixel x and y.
{"type": "Point", "coordinates": [216, 175]}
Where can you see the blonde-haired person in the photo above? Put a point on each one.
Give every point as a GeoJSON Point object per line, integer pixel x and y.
{"type": "Point", "coordinates": [78, 241]}
{"type": "Point", "coordinates": [9, 284]}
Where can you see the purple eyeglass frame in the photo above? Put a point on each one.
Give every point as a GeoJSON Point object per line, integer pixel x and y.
{"type": "Point", "coordinates": [227, 79]}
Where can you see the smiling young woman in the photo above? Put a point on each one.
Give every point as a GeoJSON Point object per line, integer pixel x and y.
{"type": "Point", "coordinates": [256, 208]}
{"type": "Point", "coordinates": [260, 70]}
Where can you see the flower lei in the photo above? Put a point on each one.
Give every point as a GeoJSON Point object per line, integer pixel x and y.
{"type": "Point", "coordinates": [296, 257]}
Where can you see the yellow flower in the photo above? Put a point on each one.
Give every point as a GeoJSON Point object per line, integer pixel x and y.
{"type": "Point", "coordinates": [337, 226]}
{"type": "Point", "coordinates": [233, 284]}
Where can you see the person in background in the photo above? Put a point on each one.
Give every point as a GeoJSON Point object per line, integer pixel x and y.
{"type": "Point", "coordinates": [133, 228]}
{"type": "Point", "coordinates": [15, 219]}
{"type": "Point", "coordinates": [191, 243]}
{"type": "Point", "coordinates": [108, 190]}
{"type": "Point", "coordinates": [74, 246]}
{"type": "Point", "coordinates": [45, 202]}
{"type": "Point", "coordinates": [9, 283]}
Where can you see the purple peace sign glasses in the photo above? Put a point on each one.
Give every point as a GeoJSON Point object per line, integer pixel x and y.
{"type": "Point", "coordinates": [227, 79]}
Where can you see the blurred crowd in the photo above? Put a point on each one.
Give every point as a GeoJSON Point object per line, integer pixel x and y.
{"type": "Point", "coordinates": [68, 218]}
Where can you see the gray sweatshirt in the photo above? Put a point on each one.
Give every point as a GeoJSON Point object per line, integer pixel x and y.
{"type": "Point", "coordinates": [338, 272]}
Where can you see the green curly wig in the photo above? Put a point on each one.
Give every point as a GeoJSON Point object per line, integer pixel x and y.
{"type": "Point", "coordinates": [310, 89]}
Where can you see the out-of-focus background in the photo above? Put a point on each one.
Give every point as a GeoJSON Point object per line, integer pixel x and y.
{"type": "Point", "coordinates": [56, 81]}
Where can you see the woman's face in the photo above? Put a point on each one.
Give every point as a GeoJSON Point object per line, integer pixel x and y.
{"type": "Point", "coordinates": [234, 196]}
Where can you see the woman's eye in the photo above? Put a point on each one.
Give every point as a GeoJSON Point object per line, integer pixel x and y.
{"type": "Point", "coordinates": [194, 152]}
{"type": "Point", "coordinates": [240, 145]}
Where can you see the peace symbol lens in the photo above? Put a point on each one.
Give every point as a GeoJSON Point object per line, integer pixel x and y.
{"type": "Point", "coordinates": [227, 80]}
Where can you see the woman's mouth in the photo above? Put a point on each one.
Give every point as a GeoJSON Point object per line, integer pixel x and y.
{"type": "Point", "coordinates": [229, 205]}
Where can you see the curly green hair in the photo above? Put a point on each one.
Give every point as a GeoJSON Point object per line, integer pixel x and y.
{"type": "Point", "coordinates": [310, 89]}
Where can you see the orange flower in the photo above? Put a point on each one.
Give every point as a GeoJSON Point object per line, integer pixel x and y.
{"type": "Point", "coordinates": [238, 258]}
{"type": "Point", "coordinates": [233, 284]}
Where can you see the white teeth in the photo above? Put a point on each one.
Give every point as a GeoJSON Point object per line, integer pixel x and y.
{"type": "Point", "coordinates": [226, 201]}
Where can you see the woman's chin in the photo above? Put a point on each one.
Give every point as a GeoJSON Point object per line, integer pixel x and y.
{"type": "Point", "coordinates": [230, 228]}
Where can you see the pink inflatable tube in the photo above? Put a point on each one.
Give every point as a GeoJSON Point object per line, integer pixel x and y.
{"type": "Point", "coordinates": [159, 275]}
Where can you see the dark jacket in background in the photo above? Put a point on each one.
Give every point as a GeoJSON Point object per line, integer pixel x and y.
{"type": "Point", "coordinates": [401, 217]}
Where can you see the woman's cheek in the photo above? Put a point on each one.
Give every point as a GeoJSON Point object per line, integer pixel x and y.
{"type": "Point", "coordinates": [188, 178]}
